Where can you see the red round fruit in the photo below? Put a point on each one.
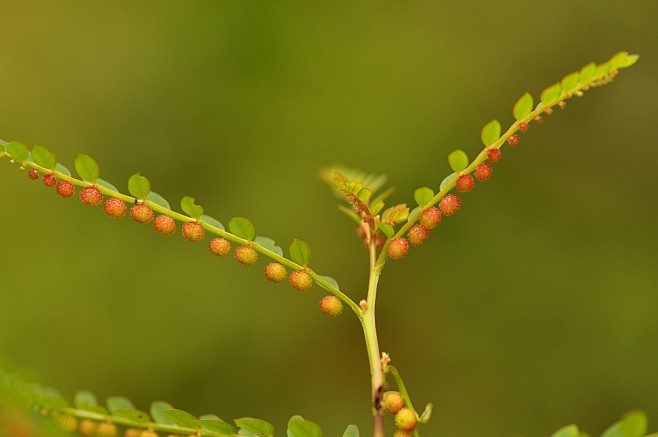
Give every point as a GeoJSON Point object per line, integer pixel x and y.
{"type": "Point", "coordinates": [245, 255]}
{"type": "Point", "coordinates": [397, 248]}
{"type": "Point", "coordinates": [91, 196]}
{"type": "Point", "coordinates": [300, 280]}
{"type": "Point", "coordinates": [65, 189]}
{"type": "Point", "coordinates": [483, 172]}
{"type": "Point", "coordinates": [33, 174]}
{"type": "Point", "coordinates": [538, 119]}
{"type": "Point", "coordinates": [115, 208]}
{"type": "Point", "coordinates": [417, 235]}
{"type": "Point", "coordinates": [141, 213]}
{"type": "Point", "coordinates": [331, 306]}
{"type": "Point", "coordinates": [494, 155]}
{"type": "Point", "coordinates": [449, 204]}
{"type": "Point", "coordinates": [106, 429]}
{"type": "Point", "coordinates": [50, 179]}
{"type": "Point", "coordinates": [88, 427]}
{"type": "Point", "coordinates": [219, 247]}
{"type": "Point", "coordinates": [430, 218]}
{"type": "Point", "coordinates": [276, 272]}
{"type": "Point", "coordinates": [465, 183]}
{"type": "Point", "coordinates": [193, 231]}
{"type": "Point", "coordinates": [405, 419]}
{"type": "Point", "coordinates": [523, 127]}
{"type": "Point", "coordinates": [513, 140]}
{"type": "Point", "coordinates": [393, 402]}
{"type": "Point", "coordinates": [164, 225]}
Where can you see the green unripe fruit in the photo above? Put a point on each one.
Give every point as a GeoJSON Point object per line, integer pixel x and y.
{"type": "Point", "coordinates": [219, 247]}
{"type": "Point", "coordinates": [115, 208]}
{"type": "Point", "coordinates": [65, 189]}
{"type": "Point", "coordinates": [276, 272]}
{"type": "Point", "coordinates": [49, 180]}
{"type": "Point", "coordinates": [33, 174]}
{"type": "Point", "coordinates": [397, 248]}
{"type": "Point", "coordinates": [245, 255]}
{"type": "Point", "coordinates": [165, 225]}
{"type": "Point", "coordinates": [91, 196]}
{"type": "Point", "coordinates": [67, 423]}
{"type": "Point", "coordinates": [331, 306]}
{"type": "Point", "coordinates": [193, 231]}
{"type": "Point", "coordinates": [300, 280]}
{"type": "Point", "coordinates": [465, 183]}
{"type": "Point", "coordinates": [417, 235]}
{"type": "Point", "coordinates": [141, 213]}
{"type": "Point", "coordinates": [393, 402]}
{"type": "Point", "coordinates": [449, 204]}
{"type": "Point", "coordinates": [106, 429]}
{"type": "Point", "coordinates": [405, 419]}
{"type": "Point", "coordinates": [430, 218]}
{"type": "Point", "coordinates": [88, 427]}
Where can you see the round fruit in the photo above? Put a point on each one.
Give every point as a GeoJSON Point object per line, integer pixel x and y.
{"type": "Point", "coordinates": [397, 248]}
{"type": "Point", "coordinates": [193, 231]}
{"type": "Point", "coordinates": [276, 272]}
{"type": "Point", "coordinates": [483, 172]}
{"type": "Point", "coordinates": [164, 225]}
{"type": "Point", "coordinates": [430, 218]}
{"type": "Point", "coordinates": [331, 306]}
{"type": "Point", "coordinates": [245, 255]}
{"type": "Point", "coordinates": [49, 179]}
{"type": "Point", "coordinates": [65, 189]}
{"type": "Point", "coordinates": [449, 204]}
{"type": "Point", "coordinates": [106, 429]}
{"type": "Point", "coordinates": [400, 433]}
{"type": "Point", "coordinates": [67, 423]}
{"type": "Point", "coordinates": [513, 140]}
{"type": "Point", "coordinates": [91, 196]}
{"type": "Point", "coordinates": [465, 183]}
{"type": "Point", "coordinates": [300, 280]}
{"type": "Point", "coordinates": [405, 419]}
{"type": "Point", "coordinates": [393, 402]}
{"type": "Point", "coordinates": [33, 174]}
{"type": "Point", "coordinates": [219, 247]}
{"type": "Point", "coordinates": [115, 208]}
{"type": "Point", "coordinates": [494, 155]}
{"type": "Point", "coordinates": [148, 433]}
{"type": "Point", "coordinates": [88, 427]}
{"type": "Point", "coordinates": [523, 127]}
{"type": "Point", "coordinates": [141, 213]}
{"type": "Point", "coordinates": [417, 235]}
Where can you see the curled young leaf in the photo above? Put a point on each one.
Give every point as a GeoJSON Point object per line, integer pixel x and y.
{"type": "Point", "coordinates": [300, 252]}
{"type": "Point", "coordinates": [86, 167]}
{"type": "Point", "coordinates": [193, 210]}
{"type": "Point", "coordinates": [138, 186]}
{"type": "Point", "coordinates": [44, 157]}
{"type": "Point", "coordinates": [523, 107]}
{"type": "Point", "coordinates": [395, 214]}
{"type": "Point", "coordinates": [458, 159]}
{"type": "Point", "coordinates": [242, 227]}
{"type": "Point", "coordinates": [490, 133]}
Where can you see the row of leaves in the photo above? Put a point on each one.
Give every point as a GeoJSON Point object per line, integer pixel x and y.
{"type": "Point", "coordinates": [164, 418]}
{"type": "Point", "coordinates": [358, 188]}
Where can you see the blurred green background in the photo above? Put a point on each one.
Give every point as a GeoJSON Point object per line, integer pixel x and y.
{"type": "Point", "coordinates": [534, 307]}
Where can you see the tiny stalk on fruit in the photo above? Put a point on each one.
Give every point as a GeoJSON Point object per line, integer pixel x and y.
{"type": "Point", "coordinates": [388, 232]}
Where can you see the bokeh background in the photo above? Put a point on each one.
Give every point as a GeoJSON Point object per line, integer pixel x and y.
{"type": "Point", "coordinates": [534, 307]}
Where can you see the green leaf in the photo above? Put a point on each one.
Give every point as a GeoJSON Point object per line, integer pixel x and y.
{"type": "Point", "coordinates": [490, 133]}
{"type": "Point", "coordinates": [138, 186]}
{"type": "Point", "coordinates": [447, 180]}
{"type": "Point", "coordinates": [427, 413]}
{"type": "Point", "coordinates": [298, 427]}
{"type": "Point", "coordinates": [60, 168]}
{"type": "Point", "coordinates": [551, 95]}
{"type": "Point", "coordinates": [351, 431]}
{"type": "Point", "coordinates": [181, 418]}
{"type": "Point", "coordinates": [424, 195]}
{"type": "Point", "coordinates": [157, 199]}
{"type": "Point", "coordinates": [115, 403]}
{"type": "Point", "coordinates": [18, 151]}
{"type": "Point", "coordinates": [630, 60]}
{"type": "Point", "coordinates": [570, 81]}
{"type": "Point", "coordinates": [458, 160]}
{"type": "Point", "coordinates": [216, 426]}
{"type": "Point", "coordinates": [523, 106]}
{"type": "Point", "coordinates": [567, 431]}
{"type": "Point", "coordinates": [587, 73]}
{"type": "Point", "coordinates": [3, 145]}
{"type": "Point", "coordinates": [212, 222]}
{"type": "Point", "coordinates": [376, 207]}
{"type": "Point", "coordinates": [634, 424]}
{"type": "Point", "coordinates": [86, 167]}
{"type": "Point", "coordinates": [256, 426]}
{"type": "Point", "coordinates": [105, 184]}
{"type": "Point", "coordinates": [84, 397]}
{"type": "Point", "coordinates": [44, 157]}
{"type": "Point", "coordinates": [132, 414]}
{"type": "Point", "coordinates": [300, 252]}
{"type": "Point", "coordinates": [331, 281]}
{"type": "Point", "coordinates": [242, 227]}
{"type": "Point", "coordinates": [157, 412]}
{"type": "Point", "coordinates": [387, 229]}
{"type": "Point", "coordinates": [193, 210]}
{"type": "Point", "coordinates": [269, 244]}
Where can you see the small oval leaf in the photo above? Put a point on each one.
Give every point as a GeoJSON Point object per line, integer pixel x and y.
{"type": "Point", "coordinates": [84, 397]}
{"type": "Point", "coordinates": [587, 73]}
{"type": "Point", "coordinates": [298, 427]}
{"type": "Point", "coordinates": [387, 229]}
{"type": "Point", "coordinates": [331, 281]}
{"type": "Point", "coordinates": [269, 244]}
{"type": "Point", "coordinates": [132, 414]}
{"type": "Point", "coordinates": [256, 426]}
{"type": "Point", "coordinates": [570, 81]}
{"type": "Point", "coordinates": [115, 403]}
{"type": "Point", "coordinates": [44, 157]}
{"type": "Point", "coordinates": [157, 199]}
{"type": "Point", "coordinates": [216, 426]}
{"type": "Point", "coordinates": [157, 412]}
{"type": "Point", "coordinates": [18, 151]}
{"type": "Point", "coordinates": [490, 133]}
{"type": "Point", "coordinates": [523, 106]}
{"type": "Point", "coordinates": [181, 418]}
{"type": "Point", "coordinates": [63, 170]}
{"type": "Point", "coordinates": [105, 184]}
{"type": "Point", "coordinates": [447, 180]}
{"type": "Point", "coordinates": [300, 252]}
{"type": "Point", "coordinates": [242, 227]}
{"type": "Point", "coordinates": [193, 210]}
{"type": "Point", "coordinates": [138, 186]}
{"type": "Point", "coordinates": [351, 431]}
{"type": "Point", "coordinates": [458, 160]}
{"type": "Point", "coordinates": [212, 222]}
{"type": "Point", "coordinates": [567, 431]}
{"type": "Point", "coordinates": [424, 195]}
{"type": "Point", "coordinates": [551, 95]}
{"type": "Point", "coordinates": [86, 167]}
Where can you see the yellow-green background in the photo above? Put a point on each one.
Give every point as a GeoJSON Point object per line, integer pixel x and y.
{"type": "Point", "coordinates": [535, 306]}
